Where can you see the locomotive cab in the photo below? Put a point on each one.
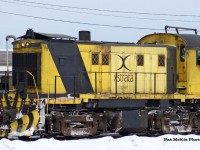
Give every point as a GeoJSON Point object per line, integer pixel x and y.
{"type": "Point", "coordinates": [187, 49]}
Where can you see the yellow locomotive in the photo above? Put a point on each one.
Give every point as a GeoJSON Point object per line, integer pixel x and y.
{"type": "Point", "coordinates": [70, 87]}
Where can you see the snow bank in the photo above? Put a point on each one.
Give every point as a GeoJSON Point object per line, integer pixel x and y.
{"type": "Point", "coordinates": [166, 142]}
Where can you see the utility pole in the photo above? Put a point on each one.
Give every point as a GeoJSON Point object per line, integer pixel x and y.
{"type": "Point", "coordinates": [7, 61]}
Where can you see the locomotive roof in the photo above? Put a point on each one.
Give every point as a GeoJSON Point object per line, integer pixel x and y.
{"type": "Point", "coordinates": [192, 40]}
{"type": "Point", "coordinates": [38, 35]}
{"type": "Point", "coordinates": [45, 36]}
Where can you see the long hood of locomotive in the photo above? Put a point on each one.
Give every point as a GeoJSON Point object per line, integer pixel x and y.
{"type": "Point", "coordinates": [70, 67]}
{"type": "Point", "coordinates": [130, 68]}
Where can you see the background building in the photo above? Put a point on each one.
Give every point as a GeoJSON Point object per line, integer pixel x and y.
{"type": "Point", "coordinates": [3, 61]}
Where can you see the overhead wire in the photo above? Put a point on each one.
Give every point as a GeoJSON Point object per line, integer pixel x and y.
{"type": "Point", "coordinates": [86, 23]}
{"type": "Point", "coordinates": [98, 14]}
{"type": "Point", "coordinates": [77, 22]}
{"type": "Point", "coordinates": [111, 11]}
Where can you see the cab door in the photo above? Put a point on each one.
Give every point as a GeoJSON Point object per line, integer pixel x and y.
{"type": "Point", "coordinates": [181, 68]}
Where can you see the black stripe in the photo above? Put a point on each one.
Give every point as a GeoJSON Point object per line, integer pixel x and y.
{"type": "Point", "coordinates": [7, 100]}
{"type": "Point", "coordinates": [1, 104]}
{"type": "Point", "coordinates": [31, 117]}
{"type": "Point", "coordinates": [9, 126]}
{"type": "Point", "coordinates": [20, 124]}
{"type": "Point", "coordinates": [69, 63]}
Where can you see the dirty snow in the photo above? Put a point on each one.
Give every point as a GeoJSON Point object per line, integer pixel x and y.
{"type": "Point", "coordinates": [165, 142]}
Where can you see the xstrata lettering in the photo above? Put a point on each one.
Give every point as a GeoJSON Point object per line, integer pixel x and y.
{"type": "Point", "coordinates": [123, 77]}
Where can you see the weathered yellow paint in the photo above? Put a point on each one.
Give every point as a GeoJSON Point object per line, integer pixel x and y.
{"type": "Point", "coordinates": [171, 39]}
{"type": "Point", "coordinates": [182, 97]}
{"type": "Point", "coordinates": [98, 74]}
{"type": "Point", "coordinates": [48, 73]}
{"type": "Point", "coordinates": [122, 75]}
{"type": "Point", "coordinates": [13, 127]}
{"type": "Point", "coordinates": [25, 120]}
{"type": "Point", "coordinates": [36, 117]}
{"type": "Point", "coordinates": [108, 78]}
{"type": "Point", "coordinates": [64, 101]}
{"type": "Point", "coordinates": [19, 49]}
{"type": "Point", "coordinates": [193, 71]}
{"type": "Point", "coordinates": [48, 68]}
{"type": "Point", "coordinates": [19, 102]}
{"type": "Point", "coordinates": [132, 78]}
{"type": "Point", "coordinates": [3, 132]}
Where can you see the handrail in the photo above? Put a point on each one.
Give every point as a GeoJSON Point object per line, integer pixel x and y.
{"type": "Point", "coordinates": [34, 83]}
{"type": "Point", "coordinates": [177, 29]}
{"type": "Point", "coordinates": [154, 81]}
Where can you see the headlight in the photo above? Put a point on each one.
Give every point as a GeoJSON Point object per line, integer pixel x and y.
{"type": "Point", "coordinates": [23, 44]}
{"type": "Point", "coordinates": [27, 44]}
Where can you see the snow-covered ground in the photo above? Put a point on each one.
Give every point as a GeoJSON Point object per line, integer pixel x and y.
{"type": "Point", "coordinates": [165, 142]}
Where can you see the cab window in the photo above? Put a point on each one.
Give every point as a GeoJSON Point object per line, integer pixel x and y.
{"type": "Point", "coordinates": [198, 57]}
{"type": "Point", "coordinates": [182, 52]}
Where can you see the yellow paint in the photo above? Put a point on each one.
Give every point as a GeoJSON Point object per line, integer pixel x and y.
{"type": "Point", "coordinates": [11, 97]}
{"type": "Point", "coordinates": [25, 120]}
{"type": "Point", "coordinates": [3, 132]}
{"type": "Point", "coordinates": [101, 81]}
{"type": "Point", "coordinates": [48, 73]}
{"type": "Point", "coordinates": [36, 117]}
{"type": "Point", "coordinates": [48, 68]}
{"type": "Point", "coordinates": [193, 73]}
{"type": "Point", "coordinates": [132, 78]}
{"type": "Point", "coordinates": [66, 101]}
{"type": "Point", "coordinates": [104, 78]}
{"type": "Point", "coordinates": [115, 78]}
{"type": "Point", "coordinates": [182, 97]}
{"type": "Point", "coordinates": [13, 127]}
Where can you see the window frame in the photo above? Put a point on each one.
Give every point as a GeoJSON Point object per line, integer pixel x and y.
{"type": "Point", "coordinates": [198, 57]}
{"type": "Point", "coordinates": [140, 60]}
{"type": "Point", "coordinates": [161, 60]}
{"type": "Point", "coordinates": [94, 61]}
{"type": "Point", "coordinates": [107, 62]}
{"type": "Point", "coordinates": [182, 52]}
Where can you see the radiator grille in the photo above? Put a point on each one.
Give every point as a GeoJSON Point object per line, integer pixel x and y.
{"type": "Point", "coordinates": [23, 62]}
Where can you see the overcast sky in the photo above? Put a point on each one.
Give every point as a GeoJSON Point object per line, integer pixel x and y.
{"type": "Point", "coordinates": [127, 15]}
